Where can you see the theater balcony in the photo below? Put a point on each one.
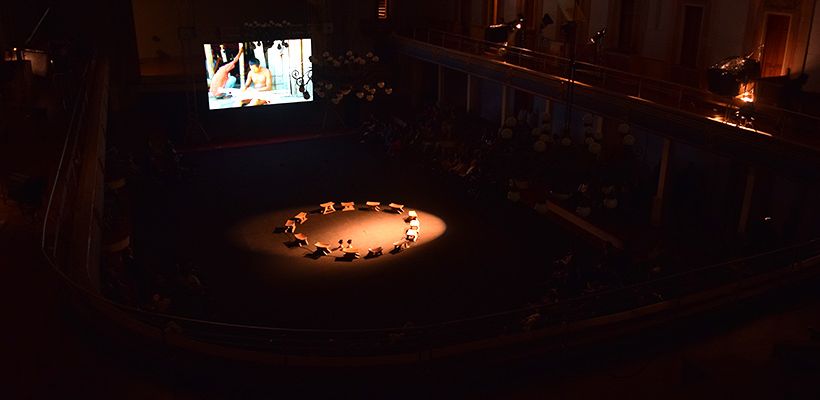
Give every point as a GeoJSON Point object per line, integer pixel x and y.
{"type": "Point", "coordinates": [779, 139]}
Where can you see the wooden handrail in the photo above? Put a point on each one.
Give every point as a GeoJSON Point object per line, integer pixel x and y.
{"type": "Point", "coordinates": [607, 73]}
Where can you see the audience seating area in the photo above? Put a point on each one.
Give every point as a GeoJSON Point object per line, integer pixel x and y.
{"type": "Point", "coordinates": [604, 191]}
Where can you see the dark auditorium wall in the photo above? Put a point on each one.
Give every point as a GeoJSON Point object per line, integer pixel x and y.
{"type": "Point", "coordinates": [415, 82]}
{"type": "Point", "coordinates": [77, 27]}
{"type": "Point", "coordinates": [441, 14]}
{"type": "Point", "coordinates": [4, 41]}
{"type": "Point", "coordinates": [83, 22]}
{"type": "Point", "coordinates": [18, 19]}
{"type": "Point", "coordinates": [454, 88]}
{"type": "Point", "coordinates": [490, 100]}
{"type": "Point", "coordinates": [157, 22]}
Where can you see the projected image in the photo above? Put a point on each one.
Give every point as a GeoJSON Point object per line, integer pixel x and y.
{"type": "Point", "coordinates": [258, 73]}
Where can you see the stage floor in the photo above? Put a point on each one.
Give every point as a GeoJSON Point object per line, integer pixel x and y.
{"type": "Point", "coordinates": [472, 258]}
{"type": "Point", "coordinates": [366, 229]}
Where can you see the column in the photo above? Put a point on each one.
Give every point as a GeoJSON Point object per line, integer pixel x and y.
{"type": "Point", "coordinates": [663, 176]}
{"type": "Point", "coordinates": [746, 207]}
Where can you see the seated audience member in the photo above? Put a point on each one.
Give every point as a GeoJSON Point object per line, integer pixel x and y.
{"type": "Point", "coordinates": [470, 169]}
{"type": "Point", "coordinates": [159, 303]}
{"type": "Point", "coordinates": [529, 321]}
{"type": "Point", "coordinates": [566, 259]}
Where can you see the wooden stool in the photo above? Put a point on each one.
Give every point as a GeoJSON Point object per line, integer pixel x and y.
{"type": "Point", "coordinates": [301, 217]}
{"type": "Point", "coordinates": [399, 208]}
{"type": "Point", "coordinates": [328, 207]}
{"type": "Point", "coordinates": [290, 226]}
{"type": "Point", "coordinates": [374, 205]}
{"type": "Point", "coordinates": [301, 239]}
{"type": "Point", "coordinates": [375, 252]}
{"type": "Point", "coordinates": [351, 252]}
{"type": "Point", "coordinates": [322, 248]}
{"type": "Point", "coordinates": [348, 206]}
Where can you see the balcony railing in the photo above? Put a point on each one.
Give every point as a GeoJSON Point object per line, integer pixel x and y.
{"type": "Point", "coordinates": [795, 127]}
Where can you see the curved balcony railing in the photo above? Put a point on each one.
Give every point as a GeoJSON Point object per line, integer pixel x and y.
{"type": "Point", "coordinates": [796, 127]}
{"type": "Point", "coordinates": [61, 251]}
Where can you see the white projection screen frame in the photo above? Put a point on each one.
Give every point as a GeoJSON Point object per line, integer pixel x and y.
{"type": "Point", "coordinates": [264, 73]}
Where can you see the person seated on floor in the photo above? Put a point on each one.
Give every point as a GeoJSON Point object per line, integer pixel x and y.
{"type": "Point", "coordinates": [257, 88]}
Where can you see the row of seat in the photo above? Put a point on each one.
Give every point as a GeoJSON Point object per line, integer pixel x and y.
{"type": "Point", "coordinates": [327, 208]}
{"type": "Point", "coordinates": [411, 235]}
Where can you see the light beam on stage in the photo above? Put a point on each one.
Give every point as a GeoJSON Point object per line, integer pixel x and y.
{"type": "Point", "coordinates": [365, 229]}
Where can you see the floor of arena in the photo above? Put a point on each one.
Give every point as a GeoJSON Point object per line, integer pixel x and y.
{"type": "Point", "coordinates": [472, 257]}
